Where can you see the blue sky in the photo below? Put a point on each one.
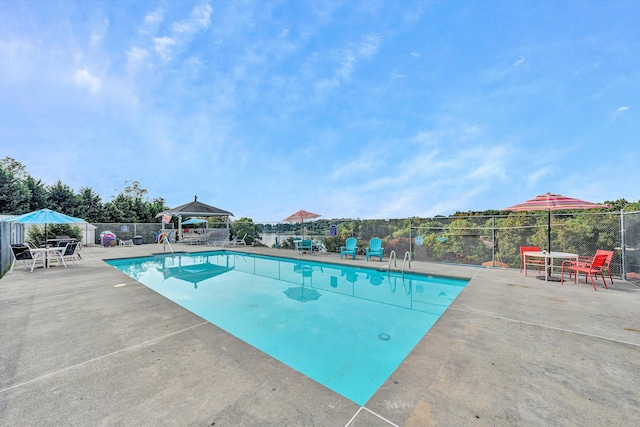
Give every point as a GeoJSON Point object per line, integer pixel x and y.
{"type": "Point", "coordinates": [350, 109]}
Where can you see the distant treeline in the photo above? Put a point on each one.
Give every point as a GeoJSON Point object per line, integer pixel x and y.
{"type": "Point", "coordinates": [20, 193]}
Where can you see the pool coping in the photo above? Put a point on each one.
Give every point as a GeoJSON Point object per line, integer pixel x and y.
{"type": "Point", "coordinates": [88, 345]}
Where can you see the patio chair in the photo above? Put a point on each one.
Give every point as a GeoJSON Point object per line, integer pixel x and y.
{"type": "Point", "coordinates": [305, 245]}
{"type": "Point", "coordinates": [584, 261]}
{"type": "Point", "coordinates": [21, 253]}
{"type": "Point", "coordinates": [607, 263]}
{"type": "Point", "coordinates": [537, 262]}
{"type": "Point", "coordinates": [589, 270]}
{"type": "Point", "coordinates": [349, 248]}
{"type": "Point", "coordinates": [71, 252]}
{"type": "Point", "coordinates": [375, 249]}
{"type": "Point", "coordinates": [56, 254]}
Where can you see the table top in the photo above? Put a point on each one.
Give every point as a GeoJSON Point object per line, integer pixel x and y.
{"type": "Point", "coordinates": [52, 248]}
{"type": "Point", "coordinates": [551, 254]}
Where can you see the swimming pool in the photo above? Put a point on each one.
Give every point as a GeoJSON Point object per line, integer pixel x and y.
{"type": "Point", "coordinates": [345, 327]}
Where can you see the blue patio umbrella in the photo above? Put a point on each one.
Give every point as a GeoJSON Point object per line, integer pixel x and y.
{"type": "Point", "coordinates": [193, 221]}
{"type": "Point", "coordinates": [44, 216]}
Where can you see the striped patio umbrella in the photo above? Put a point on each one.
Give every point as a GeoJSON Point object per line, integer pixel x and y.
{"type": "Point", "coordinates": [553, 202]}
{"type": "Point", "coordinates": [300, 216]}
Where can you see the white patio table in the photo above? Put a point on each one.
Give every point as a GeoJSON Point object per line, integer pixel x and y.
{"type": "Point", "coordinates": [52, 252]}
{"type": "Point", "coordinates": [548, 261]}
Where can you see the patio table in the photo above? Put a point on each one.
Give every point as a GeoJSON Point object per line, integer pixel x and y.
{"type": "Point", "coordinates": [56, 242]}
{"type": "Point", "coordinates": [52, 252]}
{"type": "Point", "coordinates": [548, 261]}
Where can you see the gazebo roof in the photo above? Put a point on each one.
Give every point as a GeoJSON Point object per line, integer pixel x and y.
{"type": "Point", "coordinates": [197, 208]}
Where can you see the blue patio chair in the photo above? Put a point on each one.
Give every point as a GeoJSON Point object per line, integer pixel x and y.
{"type": "Point", "coordinates": [349, 248]}
{"type": "Point", "coordinates": [305, 245]}
{"type": "Point", "coordinates": [375, 249]}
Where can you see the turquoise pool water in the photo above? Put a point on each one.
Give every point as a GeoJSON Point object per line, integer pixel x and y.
{"type": "Point", "coordinates": [347, 328]}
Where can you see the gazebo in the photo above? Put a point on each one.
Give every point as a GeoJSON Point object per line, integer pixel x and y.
{"type": "Point", "coordinates": [199, 209]}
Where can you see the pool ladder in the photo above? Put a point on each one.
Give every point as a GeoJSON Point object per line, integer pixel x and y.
{"type": "Point", "coordinates": [407, 256]}
{"type": "Point", "coordinates": [165, 241]}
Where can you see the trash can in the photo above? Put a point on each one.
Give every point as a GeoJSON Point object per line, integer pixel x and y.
{"type": "Point", "coordinates": [137, 240]}
{"type": "Point", "coordinates": [333, 231]}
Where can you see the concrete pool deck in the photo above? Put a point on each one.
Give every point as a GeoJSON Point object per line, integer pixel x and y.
{"type": "Point", "coordinates": [87, 345]}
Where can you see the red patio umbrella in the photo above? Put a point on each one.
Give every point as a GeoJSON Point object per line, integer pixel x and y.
{"type": "Point", "coordinates": [300, 216]}
{"type": "Point", "coordinates": [553, 202]}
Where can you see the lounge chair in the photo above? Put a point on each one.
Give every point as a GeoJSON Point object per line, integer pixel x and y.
{"type": "Point", "coordinates": [236, 241]}
{"type": "Point", "coordinates": [349, 248]}
{"type": "Point", "coordinates": [214, 239]}
{"type": "Point", "coordinates": [375, 249]}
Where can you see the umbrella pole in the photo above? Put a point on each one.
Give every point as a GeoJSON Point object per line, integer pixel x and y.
{"type": "Point", "coordinates": [549, 231]}
{"type": "Point", "coordinates": [549, 239]}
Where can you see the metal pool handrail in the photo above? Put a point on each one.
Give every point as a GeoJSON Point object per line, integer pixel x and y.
{"type": "Point", "coordinates": [392, 255]}
{"type": "Point", "coordinates": [406, 255]}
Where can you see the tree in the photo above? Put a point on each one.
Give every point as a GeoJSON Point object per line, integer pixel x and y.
{"type": "Point", "coordinates": [90, 206]}
{"type": "Point", "coordinates": [62, 199]}
{"type": "Point", "coordinates": [14, 194]}
{"type": "Point", "coordinates": [246, 226]}
{"type": "Point", "coordinates": [39, 195]}
{"type": "Point", "coordinates": [130, 205]}
{"type": "Point", "coordinates": [134, 190]}
{"type": "Point", "coordinates": [14, 167]}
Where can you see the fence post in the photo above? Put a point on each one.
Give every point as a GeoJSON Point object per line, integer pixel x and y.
{"type": "Point", "coordinates": [410, 238]}
{"type": "Point", "coordinates": [623, 246]}
{"type": "Point", "coordinates": [493, 241]}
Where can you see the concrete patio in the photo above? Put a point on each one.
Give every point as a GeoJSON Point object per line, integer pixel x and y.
{"type": "Point", "coordinates": [87, 345]}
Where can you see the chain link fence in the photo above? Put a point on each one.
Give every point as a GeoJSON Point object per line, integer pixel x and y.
{"type": "Point", "coordinates": [474, 240]}
{"type": "Point", "coordinates": [492, 241]}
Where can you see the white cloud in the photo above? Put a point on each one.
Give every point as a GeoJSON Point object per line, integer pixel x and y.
{"type": "Point", "coordinates": [84, 78]}
{"type": "Point", "coordinates": [348, 59]}
{"type": "Point", "coordinates": [151, 23]}
{"type": "Point", "coordinates": [163, 46]}
{"type": "Point", "coordinates": [97, 34]}
{"type": "Point", "coordinates": [619, 112]}
{"type": "Point", "coordinates": [369, 46]}
{"type": "Point", "coordinates": [200, 18]}
{"type": "Point", "coordinates": [153, 17]}
{"type": "Point", "coordinates": [519, 62]}
{"type": "Point", "coordinates": [137, 54]}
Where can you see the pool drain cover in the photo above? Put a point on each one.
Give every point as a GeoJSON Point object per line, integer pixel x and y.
{"type": "Point", "coordinates": [384, 337]}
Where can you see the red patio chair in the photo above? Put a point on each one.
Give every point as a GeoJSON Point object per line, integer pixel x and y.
{"type": "Point", "coordinates": [589, 270]}
{"type": "Point", "coordinates": [539, 262]}
{"type": "Point", "coordinates": [607, 263]}
{"type": "Point", "coordinates": [584, 261]}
